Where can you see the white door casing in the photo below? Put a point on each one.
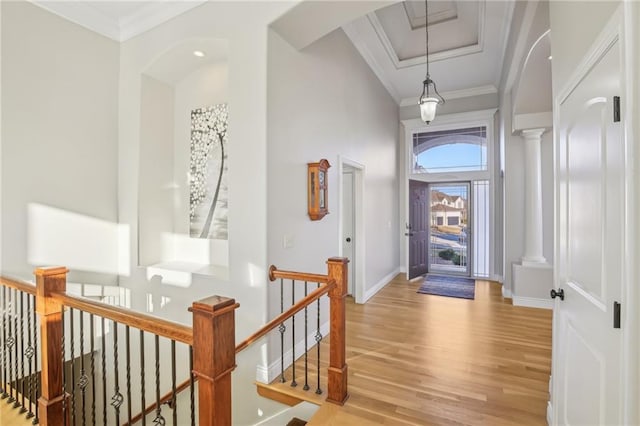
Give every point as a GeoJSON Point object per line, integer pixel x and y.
{"type": "Point", "coordinates": [591, 208]}
{"type": "Point", "coordinates": [356, 267]}
{"type": "Point", "coordinates": [348, 228]}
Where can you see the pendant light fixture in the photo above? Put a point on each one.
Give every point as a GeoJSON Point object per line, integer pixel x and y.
{"type": "Point", "coordinates": [428, 101]}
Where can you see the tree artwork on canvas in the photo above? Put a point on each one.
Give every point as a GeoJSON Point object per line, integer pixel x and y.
{"type": "Point", "coordinates": [208, 173]}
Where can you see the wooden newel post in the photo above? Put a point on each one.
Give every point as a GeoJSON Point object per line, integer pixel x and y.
{"type": "Point", "coordinates": [214, 357]}
{"type": "Point", "coordinates": [337, 376]}
{"type": "Point", "coordinates": [50, 404]}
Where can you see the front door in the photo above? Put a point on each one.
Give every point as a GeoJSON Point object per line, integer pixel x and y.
{"type": "Point", "coordinates": [590, 212]}
{"type": "Point", "coordinates": [449, 228]}
{"type": "Point", "coordinates": [418, 228]}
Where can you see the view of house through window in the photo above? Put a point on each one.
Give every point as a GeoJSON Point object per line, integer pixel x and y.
{"type": "Point", "coordinates": [449, 228]}
{"type": "Point", "coordinates": [458, 150]}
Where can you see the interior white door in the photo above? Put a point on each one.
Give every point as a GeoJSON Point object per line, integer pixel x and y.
{"type": "Point", "coordinates": [590, 216]}
{"type": "Point", "coordinates": [348, 227]}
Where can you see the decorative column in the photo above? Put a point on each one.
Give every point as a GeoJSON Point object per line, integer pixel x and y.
{"type": "Point", "coordinates": [533, 198]}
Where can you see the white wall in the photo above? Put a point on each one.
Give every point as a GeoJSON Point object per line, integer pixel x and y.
{"type": "Point", "coordinates": [574, 27]}
{"type": "Point", "coordinates": [156, 167]}
{"type": "Point", "coordinates": [59, 145]}
{"type": "Point", "coordinates": [325, 102]}
{"type": "Point", "coordinates": [452, 106]}
{"type": "Point", "coordinates": [244, 25]}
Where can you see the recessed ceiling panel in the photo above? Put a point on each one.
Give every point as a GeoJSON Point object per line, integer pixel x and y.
{"type": "Point", "coordinates": [452, 25]}
{"type": "Point", "coordinates": [438, 12]}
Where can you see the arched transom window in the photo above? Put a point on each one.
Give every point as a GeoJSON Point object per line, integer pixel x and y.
{"type": "Point", "coordinates": [458, 150]}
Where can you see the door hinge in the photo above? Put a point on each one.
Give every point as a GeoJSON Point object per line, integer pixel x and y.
{"type": "Point", "coordinates": [616, 109]}
{"type": "Point", "coordinates": [616, 314]}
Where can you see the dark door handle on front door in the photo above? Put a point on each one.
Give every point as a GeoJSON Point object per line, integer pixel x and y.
{"type": "Point", "coordinates": [348, 239]}
{"type": "Point", "coordinates": [559, 293]}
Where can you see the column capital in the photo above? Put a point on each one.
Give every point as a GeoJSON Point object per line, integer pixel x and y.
{"type": "Point", "coordinates": [533, 134]}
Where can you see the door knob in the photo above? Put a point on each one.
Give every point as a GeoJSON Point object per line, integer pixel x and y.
{"type": "Point", "coordinates": [559, 293]}
{"type": "Point", "coordinates": [348, 239]}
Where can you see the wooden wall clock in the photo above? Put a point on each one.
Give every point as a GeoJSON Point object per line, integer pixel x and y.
{"type": "Point", "coordinates": [317, 185]}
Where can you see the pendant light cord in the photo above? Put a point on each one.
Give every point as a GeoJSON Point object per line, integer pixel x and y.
{"type": "Point", "coordinates": [426, 36]}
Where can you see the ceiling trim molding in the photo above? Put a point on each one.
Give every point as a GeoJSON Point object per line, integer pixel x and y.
{"type": "Point", "coordinates": [519, 50]}
{"type": "Point", "coordinates": [152, 15]}
{"type": "Point", "coordinates": [361, 46]}
{"type": "Point", "coordinates": [434, 57]}
{"type": "Point", "coordinates": [146, 18]}
{"type": "Point", "coordinates": [506, 30]}
{"type": "Point", "coordinates": [456, 94]}
{"type": "Point", "coordinates": [83, 14]}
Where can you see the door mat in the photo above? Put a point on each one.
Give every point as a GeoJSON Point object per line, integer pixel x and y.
{"type": "Point", "coordinates": [460, 287]}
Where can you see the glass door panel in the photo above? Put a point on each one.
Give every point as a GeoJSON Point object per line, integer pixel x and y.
{"type": "Point", "coordinates": [449, 229]}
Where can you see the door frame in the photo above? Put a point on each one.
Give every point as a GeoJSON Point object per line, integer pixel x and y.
{"type": "Point", "coordinates": [470, 233]}
{"type": "Point", "coordinates": [358, 170]}
{"type": "Point", "coordinates": [620, 27]}
{"type": "Point", "coordinates": [485, 118]}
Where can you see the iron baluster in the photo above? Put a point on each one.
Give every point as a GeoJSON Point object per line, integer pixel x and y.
{"type": "Point", "coordinates": [11, 343]}
{"type": "Point", "coordinates": [159, 420]}
{"type": "Point", "coordinates": [104, 371]}
{"type": "Point", "coordinates": [83, 380]}
{"type": "Point", "coordinates": [142, 390]}
{"type": "Point", "coordinates": [293, 335]}
{"type": "Point", "coordinates": [191, 388]}
{"type": "Point", "coordinates": [318, 340]}
{"type": "Point", "coordinates": [29, 354]}
{"type": "Point", "coordinates": [174, 399]}
{"type": "Point", "coordinates": [117, 398]}
{"type": "Point", "coordinates": [306, 344]}
{"type": "Point", "coordinates": [93, 369]}
{"type": "Point", "coordinates": [23, 408]}
{"type": "Point", "coordinates": [128, 353]}
{"type": "Point", "coordinates": [36, 385]}
{"type": "Point", "coordinates": [282, 329]}
{"type": "Point", "coordinates": [73, 370]}
{"type": "Point", "coordinates": [64, 372]}
{"type": "Point", "coordinates": [5, 374]}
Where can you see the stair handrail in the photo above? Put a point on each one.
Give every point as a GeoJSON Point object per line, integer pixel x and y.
{"type": "Point", "coordinates": [300, 305]}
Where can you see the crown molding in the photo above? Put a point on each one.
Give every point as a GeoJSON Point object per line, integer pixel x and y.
{"type": "Point", "coordinates": [351, 30]}
{"type": "Point", "coordinates": [154, 14]}
{"type": "Point", "coordinates": [434, 57]}
{"type": "Point", "coordinates": [83, 14]}
{"type": "Point", "coordinates": [456, 94]}
{"type": "Point", "coordinates": [149, 16]}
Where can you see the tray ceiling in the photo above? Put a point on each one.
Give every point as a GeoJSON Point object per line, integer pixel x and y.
{"type": "Point", "coordinates": [467, 40]}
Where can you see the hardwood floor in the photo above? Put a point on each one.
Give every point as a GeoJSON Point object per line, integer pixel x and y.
{"type": "Point", "coordinates": [10, 416]}
{"type": "Point", "coordinates": [428, 360]}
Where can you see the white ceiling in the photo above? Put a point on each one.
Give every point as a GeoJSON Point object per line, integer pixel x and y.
{"type": "Point", "coordinates": [467, 38]}
{"type": "Point", "coordinates": [467, 41]}
{"type": "Point", "coordinates": [119, 20]}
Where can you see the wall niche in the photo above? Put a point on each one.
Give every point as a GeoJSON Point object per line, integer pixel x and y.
{"type": "Point", "coordinates": [183, 188]}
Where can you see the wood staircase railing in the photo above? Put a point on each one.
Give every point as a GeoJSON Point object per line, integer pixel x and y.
{"type": "Point", "coordinates": [211, 341]}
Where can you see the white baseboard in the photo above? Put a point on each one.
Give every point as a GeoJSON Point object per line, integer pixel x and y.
{"type": "Point", "coordinates": [506, 293]}
{"type": "Point", "coordinates": [497, 278]}
{"type": "Point", "coordinates": [267, 374]}
{"type": "Point", "coordinates": [380, 285]}
{"type": "Point", "coordinates": [549, 413]}
{"type": "Point", "coordinates": [532, 302]}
